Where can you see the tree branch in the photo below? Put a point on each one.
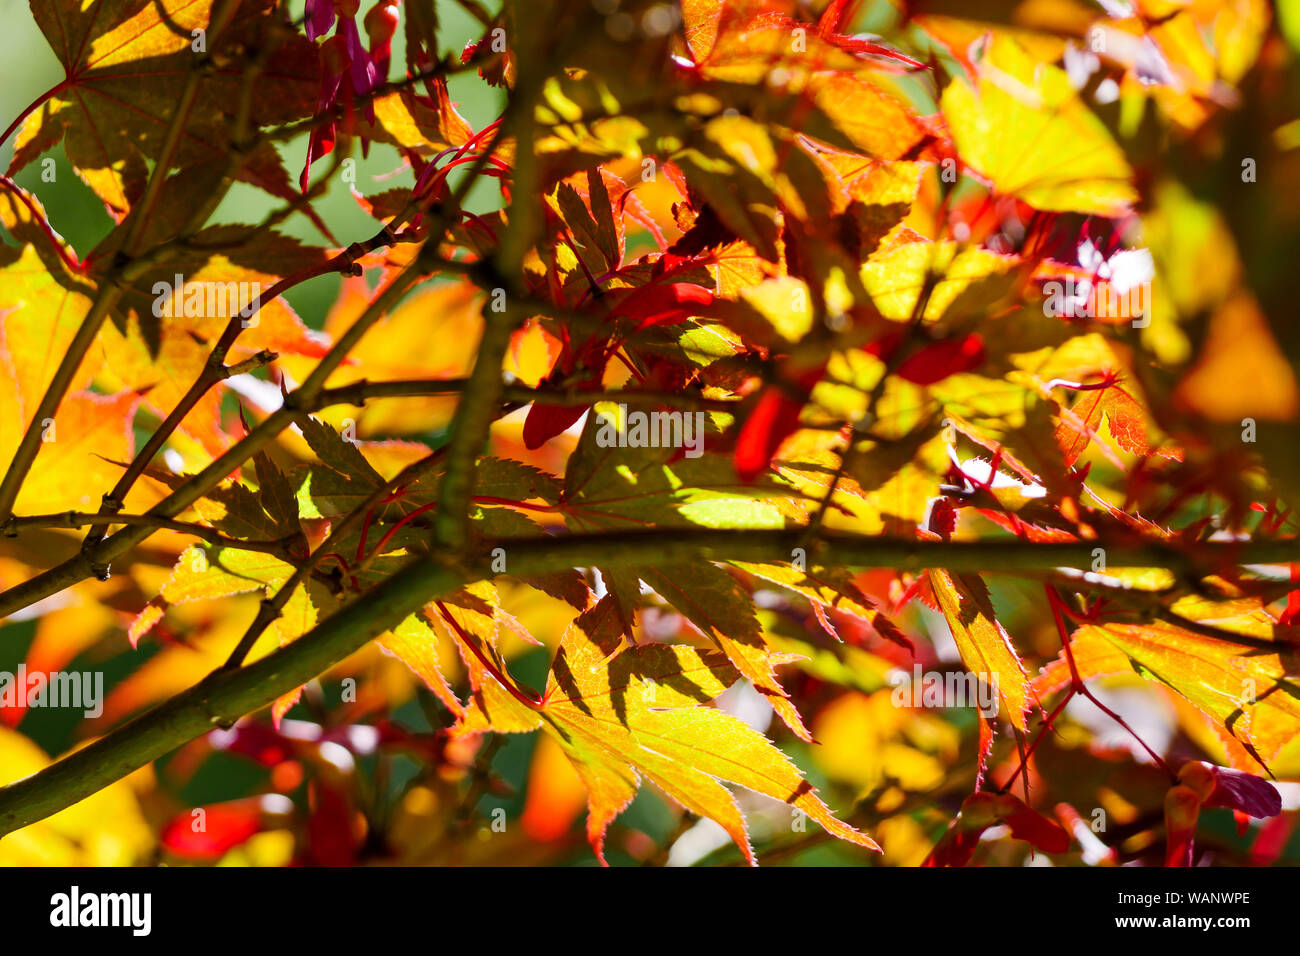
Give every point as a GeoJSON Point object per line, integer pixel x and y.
{"type": "Point", "coordinates": [227, 695]}
{"type": "Point", "coordinates": [358, 393]}
{"type": "Point", "coordinates": [78, 519]}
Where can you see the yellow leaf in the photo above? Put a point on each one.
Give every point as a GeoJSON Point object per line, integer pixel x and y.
{"type": "Point", "coordinates": [1025, 129]}
{"type": "Point", "coordinates": [212, 572]}
{"type": "Point", "coordinates": [38, 318]}
{"type": "Point", "coordinates": [432, 334]}
{"type": "Point", "coordinates": [1245, 686]}
{"type": "Point", "coordinates": [417, 645]}
{"type": "Point", "coordinates": [80, 452]}
{"type": "Point", "coordinates": [985, 646]}
{"type": "Point", "coordinates": [640, 712]}
{"type": "Point", "coordinates": [1241, 372]}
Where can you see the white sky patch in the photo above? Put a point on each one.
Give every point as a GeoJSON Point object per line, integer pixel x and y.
{"type": "Point", "coordinates": [1120, 9]}
{"type": "Point", "coordinates": [276, 803]}
{"type": "Point", "coordinates": [338, 755]}
{"type": "Point", "coordinates": [1080, 65]}
{"type": "Point", "coordinates": [44, 606]}
{"type": "Point", "coordinates": [1290, 793]}
{"type": "Point", "coordinates": [1126, 269]}
{"type": "Point", "coordinates": [979, 472]}
{"type": "Point", "coordinates": [262, 395]}
{"type": "Point", "coordinates": [940, 634]}
{"type": "Point", "coordinates": [697, 843]}
{"type": "Point", "coordinates": [1094, 851]}
{"type": "Point", "coordinates": [1151, 718]}
{"type": "Point", "coordinates": [742, 700]}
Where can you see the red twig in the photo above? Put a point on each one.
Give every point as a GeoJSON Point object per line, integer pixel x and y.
{"type": "Point", "coordinates": [78, 268]}
{"type": "Point", "coordinates": [1076, 682]}
{"type": "Point", "coordinates": [529, 702]}
{"type": "Point", "coordinates": [52, 91]}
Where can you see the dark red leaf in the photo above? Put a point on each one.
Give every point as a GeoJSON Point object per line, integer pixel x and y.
{"type": "Point", "coordinates": [544, 422]}
{"type": "Point", "coordinates": [1244, 792]}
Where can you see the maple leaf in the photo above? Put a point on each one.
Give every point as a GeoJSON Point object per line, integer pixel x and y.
{"type": "Point", "coordinates": [963, 279]}
{"type": "Point", "coordinates": [1122, 412]}
{"type": "Point", "coordinates": [439, 328]}
{"type": "Point", "coordinates": [814, 264]}
{"type": "Point", "coordinates": [1023, 127]}
{"type": "Point", "coordinates": [1200, 785]}
{"type": "Point", "coordinates": [610, 488]}
{"type": "Point", "coordinates": [222, 274]}
{"type": "Point", "coordinates": [641, 714]}
{"type": "Point", "coordinates": [828, 589]}
{"type": "Point", "coordinates": [39, 316]}
{"type": "Point", "coordinates": [741, 42]}
{"type": "Point", "coordinates": [425, 124]}
{"type": "Point", "coordinates": [1244, 683]}
{"type": "Point", "coordinates": [715, 603]}
{"type": "Point", "coordinates": [226, 826]}
{"type": "Point", "coordinates": [983, 810]}
{"type": "Point", "coordinates": [204, 573]}
{"type": "Point", "coordinates": [417, 644]}
{"type": "Point", "coordinates": [81, 447]}
{"type": "Point", "coordinates": [985, 646]}
{"type": "Point", "coordinates": [126, 62]}
{"type": "Point", "coordinates": [107, 829]}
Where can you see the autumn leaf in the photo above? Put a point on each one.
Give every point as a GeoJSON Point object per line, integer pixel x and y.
{"type": "Point", "coordinates": [1023, 128]}
{"type": "Point", "coordinates": [644, 716]}
{"type": "Point", "coordinates": [983, 810]}
{"type": "Point", "coordinates": [985, 647]}
{"type": "Point", "coordinates": [125, 63]}
{"type": "Point", "coordinates": [81, 450]}
{"type": "Point", "coordinates": [1122, 413]}
{"type": "Point", "coordinates": [417, 644]}
{"type": "Point", "coordinates": [108, 829]}
{"type": "Point", "coordinates": [828, 589]}
{"type": "Point", "coordinates": [1242, 684]}
{"type": "Point", "coordinates": [679, 375]}
{"type": "Point", "coordinates": [39, 315]}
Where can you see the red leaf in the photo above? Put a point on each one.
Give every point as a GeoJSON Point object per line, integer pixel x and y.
{"type": "Point", "coordinates": [774, 417]}
{"type": "Point", "coordinates": [664, 304]}
{"type": "Point", "coordinates": [979, 812]}
{"type": "Point", "coordinates": [209, 836]}
{"type": "Point", "coordinates": [329, 829]}
{"type": "Point", "coordinates": [1028, 824]}
{"type": "Point", "coordinates": [935, 362]}
{"type": "Point", "coordinates": [955, 849]}
{"type": "Point", "coordinates": [1244, 792]}
{"type": "Point", "coordinates": [544, 422]}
